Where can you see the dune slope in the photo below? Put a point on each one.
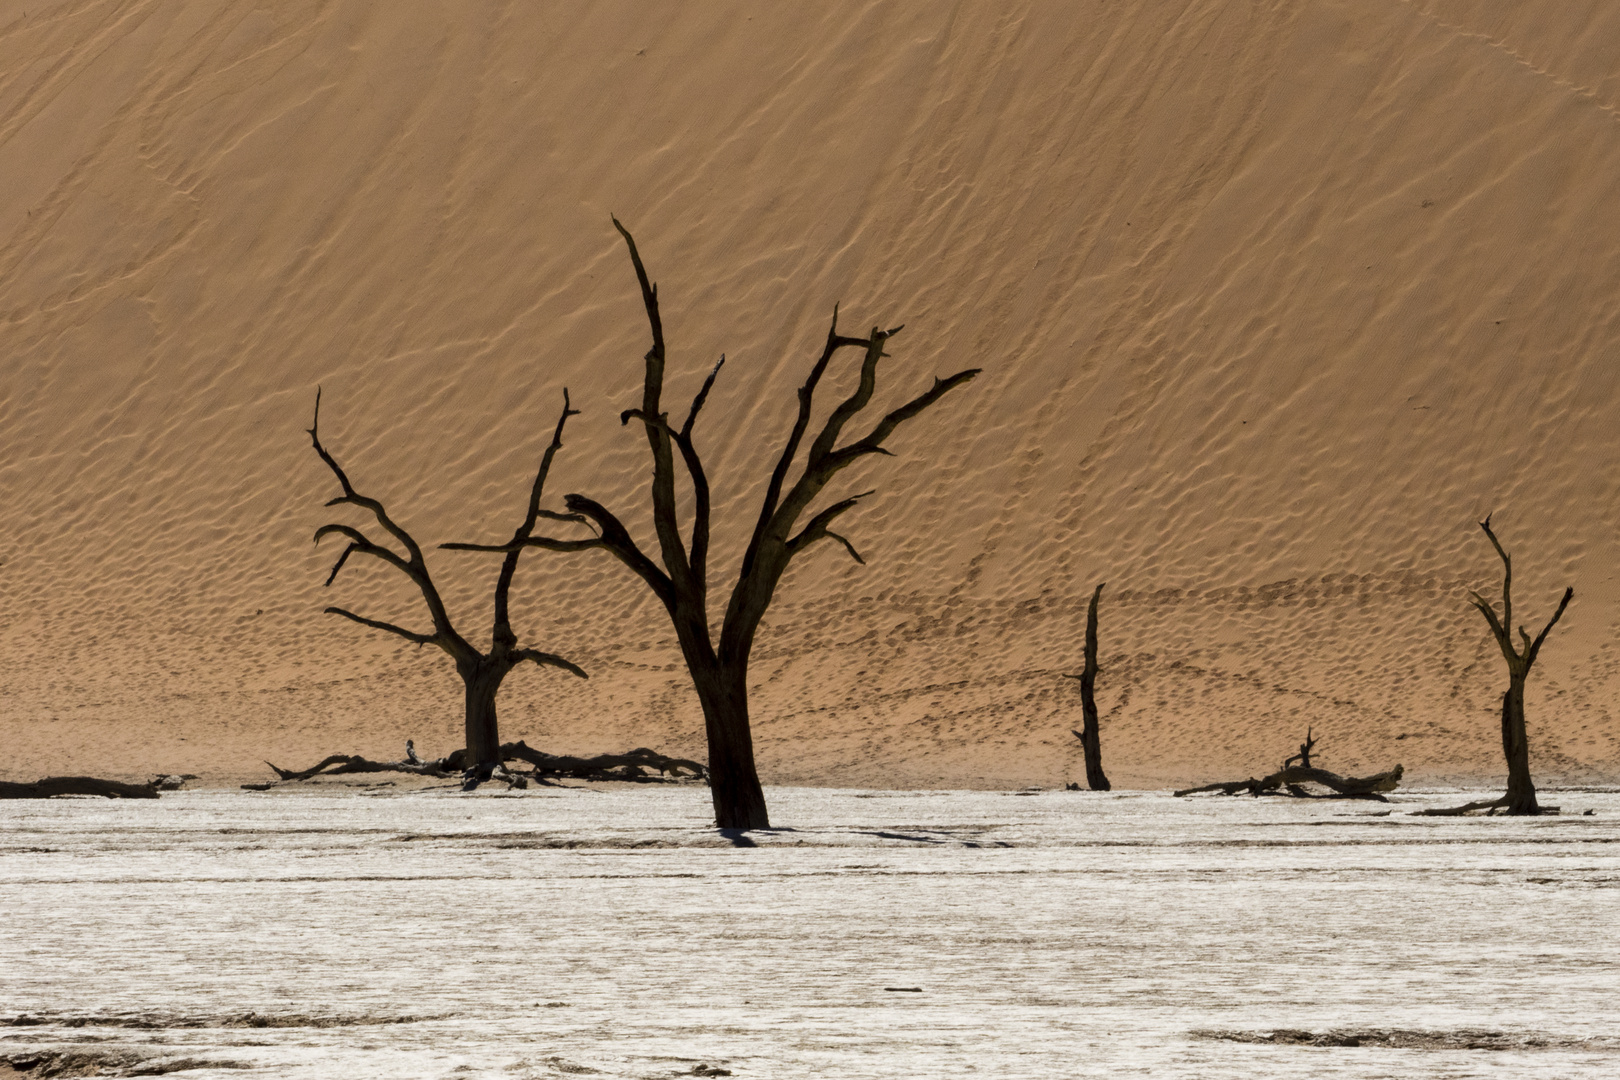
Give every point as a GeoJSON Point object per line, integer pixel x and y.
{"type": "Point", "coordinates": [1274, 300]}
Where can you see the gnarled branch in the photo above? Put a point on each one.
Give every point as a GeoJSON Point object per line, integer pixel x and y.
{"type": "Point", "coordinates": [659, 436]}
{"type": "Point", "coordinates": [501, 633]}
{"type": "Point", "coordinates": [350, 495]}
{"type": "Point", "coordinates": [377, 624]}
{"type": "Point", "coordinates": [817, 528]}
{"type": "Point", "coordinates": [616, 538]}
{"type": "Point", "coordinates": [444, 633]}
{"type": "Point", "coordinates": [790, 449]}
{"type": "Point", "coordinates": [545, 659]}
{"type": "Point", "coordinates": [1534, 647]}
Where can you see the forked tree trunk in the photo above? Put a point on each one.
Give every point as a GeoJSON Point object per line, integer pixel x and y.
{"type": "Point", "coordinates": [1520, 797]}
{"type": "Point", "coordinates": [1521, 790]}
{"type": "Point", "coordinates": [739, 800]}
{"type": "Point", "coordinates": [1090, 735]}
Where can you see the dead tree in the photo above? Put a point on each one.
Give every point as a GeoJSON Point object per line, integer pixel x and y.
{"type": "Point", "coordinates": [680, 576]}
{"type": "Point", "coordinates": [1520, 797]}
{"type": "Point", "coordinates": [482, 672]}
{"type": "Point", "coordinates": [1089, 735]}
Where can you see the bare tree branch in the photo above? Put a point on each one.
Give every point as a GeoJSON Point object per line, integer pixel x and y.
{"type": "Point", "coordinates": [350, 495]}
{"type": "Point", "coordinates": [545, 659]}
{"type": "Point", "coordinates": [874, 441]}
{"type": "Point", "coordinates": [341, 559]}
{"type": "Point", "coordinates": [649, 300]}
{"type": "Point", "coordinates": [1507, 576]}
{"type": "Point", "coordinates": [360, 543]}
{"type": "Point", "coordinates": [702, 396]}
{"type": "Point", "coordinates": [550, 543]}
{"type": "Point", "coordinates": [823, 467]}
{"type": "Point", "coordinates": [501, 632]}
{"type": "Point", "coordinates": [773, 489]}
{"type": "Point", "coordinates": [1535, 647]}
{"type": "Point", "coordinates": [1489, 612]}
{"type": "Point", "coordinates": [855, 402]}
{"type": "Point", "coordinates": [847, 545]}
{"type": "Point", "coordinates": [659, 436]}
{"type": "Point", "coordinates": [415, 568]}
{"type": "Point", "coordinates": [616, 538]}
{"type": "Point", "coordinates": [817, 528]}
{"type": "Point", "coordinates": [408, 635]}
{"type": "Point", "coordinates": [770, 545]}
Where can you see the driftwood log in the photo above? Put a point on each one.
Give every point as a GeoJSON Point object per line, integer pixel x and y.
{"type": "Point", "coordinates": [52, 786]}
{"type": "Point", "coordinates": [1290, 780]}
{"type": "Point", "coordinates": [637, 766]}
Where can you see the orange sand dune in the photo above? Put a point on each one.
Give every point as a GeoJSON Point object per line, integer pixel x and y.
{"type": "Point", "coordinates": [1274, 301]}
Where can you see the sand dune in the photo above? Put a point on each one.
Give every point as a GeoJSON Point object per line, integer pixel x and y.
{"type": "Point", "coordinates": [1274, 301]}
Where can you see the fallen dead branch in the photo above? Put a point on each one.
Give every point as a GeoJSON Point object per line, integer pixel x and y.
{"type": "Point", "coordinates": [1291, 778]}
{"type": "Point", "coordinates": [339, 764]}
{"type": "Point", "coordinates": [632, 765]}
{"type": "Point", "coordinates": [53, 786]}
{"type": "Point", "coordinates": [1289, 782]}
{"type": "Point", "coordinates": [637, 766]}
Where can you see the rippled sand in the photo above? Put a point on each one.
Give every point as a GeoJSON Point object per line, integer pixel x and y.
{"type": "Point", "coordinates": [371, 932]}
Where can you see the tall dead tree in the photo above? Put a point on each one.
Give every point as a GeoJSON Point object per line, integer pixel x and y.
{"type": "Point", "coordinates": [481, 671]}
{"type": "Point", "coordinates": [1089, 734]}
{"type": "Point", "coordinates": [680, 576]}
{"type": "Point", "coordinates": [1521, 790]}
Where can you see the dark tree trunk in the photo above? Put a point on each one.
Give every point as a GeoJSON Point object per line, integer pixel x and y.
{"type": "Point", "coordinates": [739, 800]}
{"type": "Point", "coordinates": [1090, 737]}
{"type": "Point", "coordinates": [1520, 797]}
{"type": "Point", "coordinates": [483, 682]}
{"type": "Point", "coordinates": [1521, 790]}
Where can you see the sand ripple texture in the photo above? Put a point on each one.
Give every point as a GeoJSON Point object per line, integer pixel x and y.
{"type": "Point", "coordinates": [881, 934]}
{"type": "Point", "coordinates": [1274, 301]}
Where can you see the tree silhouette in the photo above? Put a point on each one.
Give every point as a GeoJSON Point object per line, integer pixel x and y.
{"type": "Point", "coordinates": [680, 575]}
{"type": "Point", "coordinates": [481, 671]}
{"type": "Point", "coordinates": [1089, 734]}
{"type": "Point", "coordinates": [1520, 797]}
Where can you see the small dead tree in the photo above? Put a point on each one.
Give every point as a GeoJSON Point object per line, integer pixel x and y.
{"type": "Point", "coordinates": [1520, 797]}
{"type": "Point", "coordinates": [482, 672]}
{"type": "Point", "coordinates": [680, 577]}
{"type": "Point", "coordinates": [1089, 735]}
